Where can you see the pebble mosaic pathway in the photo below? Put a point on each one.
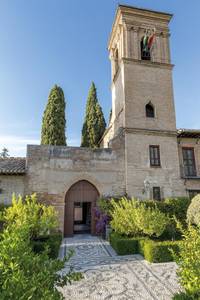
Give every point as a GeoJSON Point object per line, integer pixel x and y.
{"type": "Point", "coordinates": [108, 276]}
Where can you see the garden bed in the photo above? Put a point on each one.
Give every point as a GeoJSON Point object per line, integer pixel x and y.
{"type": "Point", "coordinates": [152, 250]}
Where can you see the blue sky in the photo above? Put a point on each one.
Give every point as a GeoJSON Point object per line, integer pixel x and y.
{"type": "Point", "coordinates": [64, 42]}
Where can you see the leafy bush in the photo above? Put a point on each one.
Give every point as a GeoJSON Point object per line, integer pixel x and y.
{"type": "Point", "coordinates": [52, 242]}
{"type": "Point", "coordinates": [158, 251]}
{"type": "Point", "coordinates": [124, 216]}
{"type": "Point", "coordinates": [2, 209]}
{"type": "Point", "coordinates": [105, 205]}
{"type": "Point", "coordinates": [175, 209]}
{"type": "Point", "coordinates": [132, 217]}
{"type": "Point", "coordinates": [25, 275]}
{"type": "Point", "coordinates": [41, 219]}
{"type": "Point", "coordinates": [188, 260]}
{"type": "Point", "coordinates": [151, 221]}
{"type": "Point", "coordinates": [124, 245]}
{"type": "Point", "coordinates": [193, 213]}
{"type": "Point", "coordinates": [172, 207]}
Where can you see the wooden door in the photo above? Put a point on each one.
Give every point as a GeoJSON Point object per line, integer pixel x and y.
{"type": "Point", "coordinates": [82, 191]}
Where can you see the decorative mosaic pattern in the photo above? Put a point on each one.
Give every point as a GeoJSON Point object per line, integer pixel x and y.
{"type": "Point", "coordinates": [108, 276]}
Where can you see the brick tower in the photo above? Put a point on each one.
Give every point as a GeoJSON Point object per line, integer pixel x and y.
{"type": "Point", "coordinates": [142, 102]}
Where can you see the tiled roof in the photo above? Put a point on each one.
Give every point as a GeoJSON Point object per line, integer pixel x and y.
{"type": "Point", "coordinates": [188, 133]}
{"type": "Point", "coordinates": [12, 165]}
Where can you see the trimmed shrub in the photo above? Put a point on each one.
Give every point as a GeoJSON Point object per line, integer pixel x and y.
{"type": "Point", "coordinates": [153, 251]}
{"type": "Point", "coordinates": [157, 252]}
{"type": "Point", "coordinates": [193, 212]}
{"type": "Point", "coordinates": [124, 245]}
{"type": "Point", "coordinates": [171, 232]}
{"type": "Point", "coordinates": [184, 296]}
{"type": "Point", "coordinates": [52, 241]}
{"type": "Point", "coordinates": [141, 244]}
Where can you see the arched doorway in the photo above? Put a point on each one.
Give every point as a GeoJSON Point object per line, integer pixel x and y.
{"type": "Point", "coordinates": [80, 201]}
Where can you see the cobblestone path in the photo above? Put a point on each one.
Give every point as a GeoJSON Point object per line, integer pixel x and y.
{"type": "Point", "coordinates": [113, 277]}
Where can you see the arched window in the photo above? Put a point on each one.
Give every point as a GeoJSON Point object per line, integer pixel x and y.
{"type": "Point", "coordinates": [150, 113]}
{"type": "Point", "coordinates": [145, 50]}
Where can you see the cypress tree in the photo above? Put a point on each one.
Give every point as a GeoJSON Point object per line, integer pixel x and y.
{"type": "Point", "coordinates": [100, 121]}
{"type": "Point", "coordinates": [94, 124]}
{"type": "Point", "coordinates": [53, 123]}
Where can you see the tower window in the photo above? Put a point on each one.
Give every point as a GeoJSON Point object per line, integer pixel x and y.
{"type": "Point", "coordinates": [154, 152]}
{"type": "Point", "coordinates": [145, 50]}
{"type": "Point", "coordinates": [156, 193]}
{"type": "Point", "coordinates": [150, 111]}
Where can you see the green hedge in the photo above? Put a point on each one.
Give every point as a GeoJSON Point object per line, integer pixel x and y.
{"type": "Point", "coordinates": [172, 206]}
{"type": "Point", "coordinates": [53, 241]}
{"type": "Point", "coordinates": [124, 245]}
{"type": "Point", "coordinates": [158, 251]}
{"type": "Point", "coordinates": [184, 296]}
{"type": "Point", "coordinates": [153, 251]}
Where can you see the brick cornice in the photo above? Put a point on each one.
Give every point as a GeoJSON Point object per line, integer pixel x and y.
{"type": "Point", "coordinates": [147, 63]}
{"type": "Point", "coordinates": [150, 131]}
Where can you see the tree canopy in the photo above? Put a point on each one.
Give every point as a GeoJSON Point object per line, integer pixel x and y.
{"type": "Point", "coordinates": [54, 123]}
{"type": "Point", "coordinates": [4, 153]}
{"type": "Point", "coordinates": [94, 123]}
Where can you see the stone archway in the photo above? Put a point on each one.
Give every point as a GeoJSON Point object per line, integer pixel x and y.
{"type": "Point", "coordinates": [84, 192]}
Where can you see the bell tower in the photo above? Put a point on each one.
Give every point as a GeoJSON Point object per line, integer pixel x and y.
{"type": "Point", "coordinates": [143, 102]}
{"type": "Point", "coordinates": [141, 69]}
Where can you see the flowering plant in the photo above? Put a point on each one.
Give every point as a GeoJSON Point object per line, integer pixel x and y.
{"type": "Point", "coordinates": [101, 220]}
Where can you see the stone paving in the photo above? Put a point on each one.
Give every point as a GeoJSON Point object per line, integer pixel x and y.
{"type": "Point", "coordinates": [113, 277]}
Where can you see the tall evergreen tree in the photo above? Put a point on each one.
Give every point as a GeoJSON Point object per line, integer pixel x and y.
{"type": "Point", "coordinates": [94, 124]}
{"type": "Point", "coordinates": [53, 123]}
{"type": "Point", "coordinates": [100, 121]}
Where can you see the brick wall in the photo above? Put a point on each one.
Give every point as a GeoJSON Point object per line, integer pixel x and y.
{"type": "Point", "coordinates": [10, 184]}
{"type": "Point", "coordinates": [52, 170]}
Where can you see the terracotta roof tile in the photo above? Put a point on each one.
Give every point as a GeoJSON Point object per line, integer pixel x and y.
{"type": "Point", "coordinates": [188, 133]}
{"type": "Point", "coordinates": [12, 165]}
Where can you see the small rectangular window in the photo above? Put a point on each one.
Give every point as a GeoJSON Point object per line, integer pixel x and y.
{"type": "Point", "coordinates": [189, 162]}
{"type": "Point", "coordinates": [154, 152]}
{"type": "Point", "coordinates": [156, 193]}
